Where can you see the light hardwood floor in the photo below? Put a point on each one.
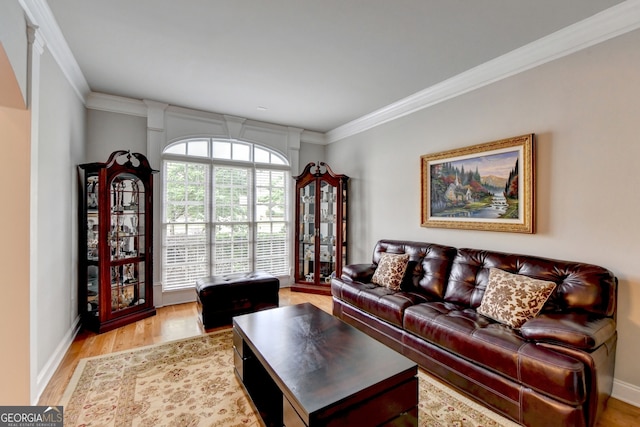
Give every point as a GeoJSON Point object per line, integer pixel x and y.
{"type": "Point", "coordinates": [180, 321]}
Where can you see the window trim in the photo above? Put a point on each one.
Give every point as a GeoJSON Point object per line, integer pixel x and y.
{"type": "Point", "coordinates": [211, 162]}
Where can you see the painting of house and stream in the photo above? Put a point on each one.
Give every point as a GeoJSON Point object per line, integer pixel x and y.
{"type": "Point", "coordinates": [480, 187]}
{"type": "Point", "coordinates": [487, 186]}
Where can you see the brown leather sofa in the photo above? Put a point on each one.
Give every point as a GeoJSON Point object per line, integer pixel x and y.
{"type": "Point", "coordinates": [556, 370]}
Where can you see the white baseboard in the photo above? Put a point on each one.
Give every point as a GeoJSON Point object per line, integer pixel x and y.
{"type": "Point", "coordinates": [179, 296]}
{"type": "Point", "coordinates": [45, 375]}
{"type": "Point", "coordinates": [626, 392]}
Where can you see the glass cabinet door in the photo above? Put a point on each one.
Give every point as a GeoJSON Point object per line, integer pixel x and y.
{"type": "Point", "coordinates": [328, 231]}
{"type": "Point", "coordinates": [341, 221]}
{"type": "Point", "coordinates": [307, 233]}
{"type": "Point", "coordinates": [126, 242]}
{"type": "Point", "coordinates": [93, 236]}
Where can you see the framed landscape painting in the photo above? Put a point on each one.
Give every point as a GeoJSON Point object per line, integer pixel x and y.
{"type": "Point", "coordinates": [482, 187]}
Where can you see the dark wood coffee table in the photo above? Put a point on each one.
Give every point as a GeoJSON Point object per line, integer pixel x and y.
{"type": "Point", "coordinates": [303, 367]}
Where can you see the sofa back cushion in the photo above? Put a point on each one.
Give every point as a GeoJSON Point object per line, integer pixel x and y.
{"type": "Point", "coordinates": [580, 286]}
{"type": "Point", "coordinates": [428, 268]}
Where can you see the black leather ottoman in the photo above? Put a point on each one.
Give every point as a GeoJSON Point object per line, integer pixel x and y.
{"type": "Point", "coordinates": [220, 298]}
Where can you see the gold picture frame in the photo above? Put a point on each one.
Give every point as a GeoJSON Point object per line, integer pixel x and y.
{"type": "Point", "coordinates": [486, 187]}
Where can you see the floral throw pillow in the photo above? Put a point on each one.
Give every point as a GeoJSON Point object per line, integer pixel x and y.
{"type": "Point", "coordinates": [513, 299]}
{"type": "Point", "coordinates": [390, 270]}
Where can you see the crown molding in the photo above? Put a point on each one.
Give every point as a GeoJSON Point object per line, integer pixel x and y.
{"type": "Point", "coordinates": [155, 115]}
{"type": "Point", "coordinates": [116, 104]}
{"type": "Point", "coordinates": [313, 137]}
{"type": "Point", "coordinates": [39, 15]}
{"type": "Point", "coordinates": [612, 22]}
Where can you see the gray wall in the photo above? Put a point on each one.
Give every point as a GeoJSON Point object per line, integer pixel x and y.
{"type": "Point", "coordinates": [311, 153]}
{"type": "Point", "coordinates": [61, 147]}
{"type": "Point", "coordinates": [107, 132]}
{"type": "Point", "coordinates": [584, 110]}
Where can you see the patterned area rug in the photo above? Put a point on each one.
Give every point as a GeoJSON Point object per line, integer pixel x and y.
{"type": "Point", "coordinates": [191, 383]}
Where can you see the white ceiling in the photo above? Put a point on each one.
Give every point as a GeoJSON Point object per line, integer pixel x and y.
{"type": "Point", "coordinates": [315, 65]}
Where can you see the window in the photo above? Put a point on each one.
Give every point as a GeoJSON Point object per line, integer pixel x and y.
{"type": "Point", "coordinates": [225, 210]}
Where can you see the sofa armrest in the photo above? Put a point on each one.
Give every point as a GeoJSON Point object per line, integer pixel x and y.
{"type": "Point", "coordinates": [358, 272]}
{"type": "Point", "coordinates": [574, 330]}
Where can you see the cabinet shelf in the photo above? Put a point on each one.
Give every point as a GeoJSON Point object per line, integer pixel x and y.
{"type": "Point", "coordinates": [133, 259]}
{"type": "Point", "coordinates": [115, 285]}
{"type": "Point", "coordinates": [115, 251]}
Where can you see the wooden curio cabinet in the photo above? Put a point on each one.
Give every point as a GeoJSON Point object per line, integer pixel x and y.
{"type": "Point", "coordinates": [115, 284]}
{"type": "Point", "coordinates": [321, 228]}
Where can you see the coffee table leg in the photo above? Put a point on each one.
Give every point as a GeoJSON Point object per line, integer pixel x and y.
{"type": "Point", "coordinates": [263, 391]}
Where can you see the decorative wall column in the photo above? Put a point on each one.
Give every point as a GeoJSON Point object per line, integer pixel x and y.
{"type": "Point", "coordinates": [293, 143]}
{"type": "Point", "coordinates": [155, 142]}
{"type": "Point", "coordinates": [35, 50]}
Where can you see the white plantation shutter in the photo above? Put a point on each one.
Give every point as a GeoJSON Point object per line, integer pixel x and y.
{"type": "Point", "coordinates": [223, 217]}
{"type": "Point", "coordinates": [232, 213]}
{"type": "Point", "coordinates": [185, 243]}
{"type": "Point", "coordinates": [272, 250]}
{"type": "Point", "coordinates": [186, 255]}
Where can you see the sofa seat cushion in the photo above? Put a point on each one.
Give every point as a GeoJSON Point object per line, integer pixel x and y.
{"type": "Point", "coordinates": [498, 347]}
{"type": "Point", "coordinates": [379, 301]}
{"type": "Point", "coordinates": [576, 330]}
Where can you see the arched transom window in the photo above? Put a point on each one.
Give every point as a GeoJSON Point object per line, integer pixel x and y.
{"type": "Point", "coordinates": [225, 210]}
